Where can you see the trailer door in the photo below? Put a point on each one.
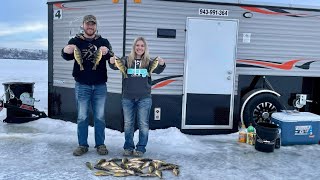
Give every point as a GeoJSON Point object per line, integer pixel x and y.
{"type": "Point", "coordinates": [209, 73]}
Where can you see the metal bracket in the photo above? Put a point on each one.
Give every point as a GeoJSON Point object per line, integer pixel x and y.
{"type": "Point", "coordinates": [300, 101]}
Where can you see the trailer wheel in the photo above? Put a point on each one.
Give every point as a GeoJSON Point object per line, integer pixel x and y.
{"type": "Point", "coordinates": [259, 108]}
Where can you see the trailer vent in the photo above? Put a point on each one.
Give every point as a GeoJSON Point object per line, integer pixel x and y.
{"type": "Point", "coordinates": [166, 33]}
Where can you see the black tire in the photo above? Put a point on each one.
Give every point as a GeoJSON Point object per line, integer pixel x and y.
{"type": "Point", "coordinates": [261, 104]}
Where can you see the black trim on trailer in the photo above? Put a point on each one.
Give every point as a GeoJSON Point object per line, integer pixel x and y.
{"type": "Point", "coordinates": [277, 10]}
{"type": "Point", "coordinates": [124, 27]}
{"type": "Point", "coordinates": [305, 65]}
{"type": "Point", "coordinates": [50, 59]}
{"type": "Point", "coordinates": [164, 78]}
{"type": "Point", "coordinates": [236, 4]}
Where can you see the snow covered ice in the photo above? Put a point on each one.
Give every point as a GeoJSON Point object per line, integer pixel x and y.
{"type": "Point", "coordinates": [42, 149]}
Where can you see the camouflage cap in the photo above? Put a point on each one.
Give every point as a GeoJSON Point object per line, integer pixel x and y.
{"type": "Point", "coordinates": [90, 18]}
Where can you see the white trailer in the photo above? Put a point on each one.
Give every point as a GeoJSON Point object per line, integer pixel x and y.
{"type": "Point", "coordinates": [227, 61]}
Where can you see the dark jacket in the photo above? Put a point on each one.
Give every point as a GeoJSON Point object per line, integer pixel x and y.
{"type": "Point", "coordinates": [88, 48]}
{"type": "Point", "coordinates": [136, 86]}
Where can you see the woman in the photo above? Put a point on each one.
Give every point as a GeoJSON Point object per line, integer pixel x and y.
{"type": "Point", "coordinates": [136, 93]}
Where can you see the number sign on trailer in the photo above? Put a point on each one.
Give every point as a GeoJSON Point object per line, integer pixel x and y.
{"type": "Point", "coordinates": [213, 12]}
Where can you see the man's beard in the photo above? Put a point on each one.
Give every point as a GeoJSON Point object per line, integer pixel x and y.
{"type": "Point", "coordinates": [89, 32]}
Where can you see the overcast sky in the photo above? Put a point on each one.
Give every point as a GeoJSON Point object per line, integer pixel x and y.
{"type": "Point", "coordinates": [23, 23]}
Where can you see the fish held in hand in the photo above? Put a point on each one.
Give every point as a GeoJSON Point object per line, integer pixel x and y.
{"type": "Point", "coordinates": [121, 67]}
{"type": "Point", "coordinates": [97, 58]}
{"type": "Point", "coordinates": [78, 57]}
{"type": "Point", "coordinates": [153, 65]}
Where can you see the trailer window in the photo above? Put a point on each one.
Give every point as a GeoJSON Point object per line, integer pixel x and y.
{"type": "Point", "coordinates": [166, 33]}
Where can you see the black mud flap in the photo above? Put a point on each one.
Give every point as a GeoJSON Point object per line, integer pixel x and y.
{"type": "Point", "coordinates": [18, 120]}
{"type": "Point", "coordinates": [35, 114]}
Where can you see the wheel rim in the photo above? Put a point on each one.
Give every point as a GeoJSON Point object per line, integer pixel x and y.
{"type": "Point", "coordinates": [262, 112]}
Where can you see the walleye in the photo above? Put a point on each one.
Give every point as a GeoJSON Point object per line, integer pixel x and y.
{"type": "Point", "coordinates": [97, 58]}
{"type": "Point", "coordinates": [102, 173]}
{"type": "Point", "coordinates": [78, 57]}
{"type": "Point", "coordinates": [121, 67]}
{"type": "Point", "coordinates": [114, 159]}
{"type": "Point", "coordinates": [147, 175]}
{"type": "Point", "coordinates": [118, 174]}
{"type": "Point", "coordinates": [103, 166]}
{"type": "Point", "coordinates": [101, 161]}
{"type": "Point", "coordinates": [153, 65]}
{"type": "Point", "coordinates": [119, 171]}
{"type": "Point", "coordinates": [135, 169]}
{"type": "Point", "coordinates": [146, 164]}
{"type": "Point", "coordinates": [131, 172]}
{"type": "Point", "coordinates": [168, 167]}
{"type": "Point", "coordinates": [141, 159]}
{"type": "Point", "coordinates": [113, 164]}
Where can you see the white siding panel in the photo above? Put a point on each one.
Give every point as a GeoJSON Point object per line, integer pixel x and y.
{"type": "Point", "coordinates": [144, 19]}
{"type": "Point", "coordinates": [280, 38]}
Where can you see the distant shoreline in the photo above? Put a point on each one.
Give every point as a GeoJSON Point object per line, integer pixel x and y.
{"type": "Point", "coordinates": [30, 54]}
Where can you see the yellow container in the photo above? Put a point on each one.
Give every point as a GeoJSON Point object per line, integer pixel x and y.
{"type": "Point", "coordinates": [242, 136]}
{"type": "Point", "coordinates": [250, 138]}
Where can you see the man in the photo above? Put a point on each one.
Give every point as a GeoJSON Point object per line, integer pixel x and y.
{"type": "Point", "coordinates": [90, 52]}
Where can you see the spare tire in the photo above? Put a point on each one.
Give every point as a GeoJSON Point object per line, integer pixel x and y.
{"type": "Point", "coordinates": [260, 107]}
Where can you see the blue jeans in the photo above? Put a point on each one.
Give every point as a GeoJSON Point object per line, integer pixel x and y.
{"type": "Point", "coordinates": [139, 108]}
{"type": "Point", "coordinates": [94, 96]}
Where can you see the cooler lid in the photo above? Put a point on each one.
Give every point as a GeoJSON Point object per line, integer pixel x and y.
{"type": "Point", "coordinates": [295, 116]}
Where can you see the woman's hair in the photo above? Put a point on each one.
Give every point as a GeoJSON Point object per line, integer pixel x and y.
{"type": "Point", "coordinates": [145, 58]}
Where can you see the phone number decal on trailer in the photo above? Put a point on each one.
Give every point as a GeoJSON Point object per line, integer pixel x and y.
{"type": "Point", "coordinates": [213, 12]}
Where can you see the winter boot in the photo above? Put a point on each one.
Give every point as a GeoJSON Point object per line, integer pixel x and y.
{"type": "Point", "coordinates": [127, 152]}
{"type": "Point", "coordinates": [80, 150]}
{"type": "Point", "coordinates": [102, 150]}
{"type": "Point", "coordinates": [138, 153]}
